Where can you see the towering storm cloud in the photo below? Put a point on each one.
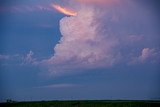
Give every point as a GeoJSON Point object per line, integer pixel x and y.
{"type": "Point", "coordinates": [99, 37]}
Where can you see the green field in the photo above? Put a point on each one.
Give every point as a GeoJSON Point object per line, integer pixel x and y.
{"type": "Point", "coordinates": [89, 103]}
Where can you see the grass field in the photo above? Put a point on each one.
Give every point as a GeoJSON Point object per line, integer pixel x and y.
{"type": "Point", "coordinates": [92, 103]}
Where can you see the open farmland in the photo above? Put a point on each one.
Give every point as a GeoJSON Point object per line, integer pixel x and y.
{"type": "Point", "coordinates": [85, 103]}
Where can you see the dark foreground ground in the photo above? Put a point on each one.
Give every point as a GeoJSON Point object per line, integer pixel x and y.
{"type": "Point", "coordinates": [99, 103]}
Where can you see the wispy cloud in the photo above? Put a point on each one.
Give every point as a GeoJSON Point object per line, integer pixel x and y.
{"type": "Point", "coordinates": [29, 59]}
{"type": "Point", "coordinates": [25, 8]}
{"type": "Point", "coordinates": [4, 57]}
{"type": "Point", "coordinates": [19, 60]}
{"type": "Point", "coordinates": [63, 85]}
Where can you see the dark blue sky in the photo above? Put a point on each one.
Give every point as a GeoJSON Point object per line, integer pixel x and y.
{"type": "Point", "coordinates": [121, 61]}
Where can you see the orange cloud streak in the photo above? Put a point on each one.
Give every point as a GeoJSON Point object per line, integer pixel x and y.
{"type": "Point", "coordinates": [64, 10]}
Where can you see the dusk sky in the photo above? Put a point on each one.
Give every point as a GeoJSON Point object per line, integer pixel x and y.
{"type": "Point", "coordinates": [79, 49]}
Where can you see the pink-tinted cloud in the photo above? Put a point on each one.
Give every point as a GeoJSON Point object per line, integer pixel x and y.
{"type": "Point", "coordinates": [86, 44]}
{"type": "Point", "coordinates": [147, 55]}
{"type": "Point", "coordinates": [82, 45]}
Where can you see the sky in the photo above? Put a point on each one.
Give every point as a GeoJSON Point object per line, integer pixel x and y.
{"type": "Point", "coordinates": [79, 50]}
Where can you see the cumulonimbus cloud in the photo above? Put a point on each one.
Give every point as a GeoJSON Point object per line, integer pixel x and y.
{"type": "Point", "coordinates": [87, 44]}
{"type": "Point", "coordinates": [81, 45]}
